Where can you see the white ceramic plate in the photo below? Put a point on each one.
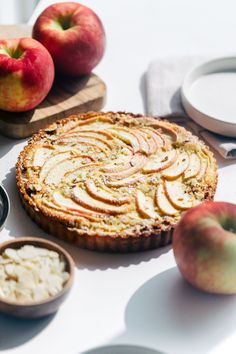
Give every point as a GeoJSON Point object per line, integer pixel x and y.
{"type": "Point", "coordinates": [122, 349]}
{"type": "Point", "coordinates": [209, 95]}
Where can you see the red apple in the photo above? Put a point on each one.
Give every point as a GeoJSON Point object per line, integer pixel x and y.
{"type": "Point", "coordinates": [73, 34]}
{"type": "Point", "coordinates": [204, 245]}
{"type": "Point", "coordinates": [26, 74]}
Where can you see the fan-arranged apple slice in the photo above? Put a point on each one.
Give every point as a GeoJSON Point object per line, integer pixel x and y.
{"type": "Point", "coordinates": [144, 146]}
{"type": "Point", "coordinates": [160, 161]}
{"type": "Point", "coordinates": [169, 132]}
{"type": "Point", "coordinates": [136, 164]}
{"type": "Point", "coordinates": [178, 168]}
{"type": "Point", "coordinates": [67, 205]}
{"type": "Point", "coordinates": [93, 137]}
{"type": "Point", "coordinates": [70, 211]}
{"type": "Point", "coordinates": [88, 145]}
{"type": "Point", "coordinates": [159, 139]}
{"type": "Point", "coordinates": [163, 203]}
{"type": "Point", "coordinates": [52, 161]}
{"type": "Point", "coordinates": [194, 166]}
{"type": "Point", "coordinates": [123, 161]}
{"type": "Point", "coordinates": [126, 181]}
{"type": "Point", "coordinates": [80, 196]}
{"type": "Point", "coordinates": [41, 154]}
{"type": "Point", "coordinates": [57, 172]}
{"type": "Point", "coordinates": [99, 193]}
{"type": "Point", "coordinates": [78, 138]}
{"type": "Point", "coordinates": [126, 136]}
{"type": "Point", "coordinates": [94, 132]}
{"type": "Point", "coordinates": [177, 194]}
{"type": "Point", "coordinates": [152, 140]}
{"type": "Point", "coordinates": [80, 173]}
{"type": "Point", "coordinates": [145, 205]}
{"type": "Point", "coordinates": [96, 120]}
{"type": "Point", "coordinates": [203, 169]}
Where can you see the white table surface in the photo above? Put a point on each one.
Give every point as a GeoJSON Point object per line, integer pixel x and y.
{"type": "Point", "coordinates": [141, 298]}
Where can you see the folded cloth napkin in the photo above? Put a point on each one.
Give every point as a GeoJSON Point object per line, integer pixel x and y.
{"type": "Point", "coordinates": [163, 82]}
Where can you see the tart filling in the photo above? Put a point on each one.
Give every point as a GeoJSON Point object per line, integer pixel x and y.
{"type": "Point", "coordinates": [115, 174]}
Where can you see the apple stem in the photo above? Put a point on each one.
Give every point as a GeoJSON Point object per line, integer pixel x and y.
{"type": "Point", "coordinates": [13, 53]}
{"type": "Point", "coordinates": [65, 22]}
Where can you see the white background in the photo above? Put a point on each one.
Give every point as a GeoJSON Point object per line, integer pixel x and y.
{"type": "Point", "coordinates": [141, 298]}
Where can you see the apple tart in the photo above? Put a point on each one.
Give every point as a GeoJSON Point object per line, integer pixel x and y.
{"type": "Point", "coordinates": [114, 181]}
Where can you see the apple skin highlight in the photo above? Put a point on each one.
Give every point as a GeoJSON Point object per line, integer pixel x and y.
{"type": "Point", "coordinates": [204, 245]}
{"type": "Point", "coordinates": [74, 36]}
{"type": "Point", "coordinates": [26, 74]}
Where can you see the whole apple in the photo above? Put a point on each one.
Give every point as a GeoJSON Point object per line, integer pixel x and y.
{"type": "Point", "coordinates": [26, 74]}
{"type": "Point", "coordinates": [74, 35]}
{"type": "Point", "coordinates": [204, 244]}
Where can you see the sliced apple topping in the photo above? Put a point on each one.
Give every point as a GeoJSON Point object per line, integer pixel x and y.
{"type": "Point", "coordinates": [80, 173]}
{"type": "Point", "coordinates": [203, 169]}
{"type": "Point", "coordinates": [95, 132]}
{"type": "Point", "coordinates": [92, 136]}
{"type": "Point", "coordinates": [157, 137]}
{"type": "Point", "coordinates": [87, 146]}
{"type": "Point", "coordinates": [151, 141]}
{"type": "Point", "coordinates": [78, 138]}
{"type": "Point", "coordinates": [163, 203]}
{"type": "Point", "coordinates": [136, 164]}
{"type": "Point", "coordinates": [96, 120]}
{"type": "Point", "coordinates": [169, 132]}
{"type": "Point", "coordinates": [66, 204]}
{"type": "Point", "coordinates": [160, 161]}
{"type": "Point", "coordinates": [177, 194]}
{"type": "Point", "coordinates": [41, 155]}
{"type": "Point", "coordinates": [143, 141]}
{"type": "Point", "coordinates": [194, 166]}
{"type": "Point", "coordinates": [122, 161]}
{"type": "Point", "coordinates": [52, 161]}
{"type": "Point", "coordinates": [80, 196]}
{"type": "Point", "coordinates": [145, 205]}
{"type": "Point", "coordinates": [178, 168]}
{"type": "Point", "coordinates": [71, 211]}
{"type": "Point", "coordinates": [101, 194]}
{"type": "Point", "coordinates": [126, 181]}
{"type": "Point", "coordinates": [57, 172]}
{"type": "Point", "coordinates": [126, 136]}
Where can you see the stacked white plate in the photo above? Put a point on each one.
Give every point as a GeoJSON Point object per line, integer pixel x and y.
{"type": "Point", "coordinates": [209, 95]}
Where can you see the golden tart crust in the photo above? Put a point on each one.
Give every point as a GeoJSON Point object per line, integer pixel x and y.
{"type": "Point", "coordinates": [114, 181]}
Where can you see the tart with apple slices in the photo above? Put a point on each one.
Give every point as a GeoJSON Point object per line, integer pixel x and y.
{"type": "Point", "coordinates": [114, 181]}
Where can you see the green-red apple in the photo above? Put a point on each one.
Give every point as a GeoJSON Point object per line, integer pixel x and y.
{"type": "Point", "coordinates": [26, 74]}
{"type": "Point", "coordinates": [204, 245]}
{"type": "Point", "coordinates": [73, 34]}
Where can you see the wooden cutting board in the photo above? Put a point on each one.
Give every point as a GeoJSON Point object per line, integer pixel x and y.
{"type": "Point", "coordinates": [67, 96]}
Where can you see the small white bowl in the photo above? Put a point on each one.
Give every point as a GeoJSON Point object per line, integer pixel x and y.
{"type": "Point", "coordinates": [212, 106]}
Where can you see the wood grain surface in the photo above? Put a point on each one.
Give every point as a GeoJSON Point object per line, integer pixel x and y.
{"type": "Point", "coordinates": [67, 96]}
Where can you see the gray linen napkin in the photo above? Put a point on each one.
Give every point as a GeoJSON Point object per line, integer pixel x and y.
{"type": "Point", "coordinates": [164, 79]}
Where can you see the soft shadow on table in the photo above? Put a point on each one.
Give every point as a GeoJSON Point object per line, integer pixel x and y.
{"type": "Point", "coordinates": [6, 145]}
{"type": "Point", "coordinates": [168, 314]}
{"type": "Point", "coordinates": [91, 260]}
{"type": "Point", "coordinates": [15, 332]}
